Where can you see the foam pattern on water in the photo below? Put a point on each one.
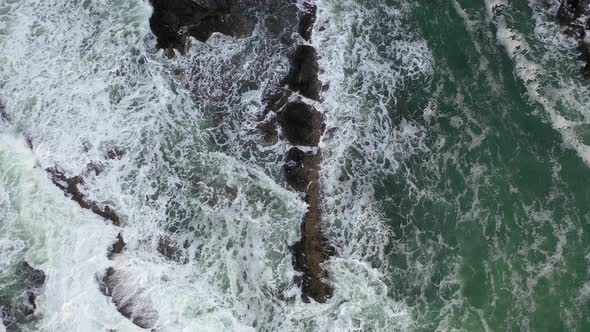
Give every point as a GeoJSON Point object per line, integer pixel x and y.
{"type": "Point", "coordinates": [369, 58]}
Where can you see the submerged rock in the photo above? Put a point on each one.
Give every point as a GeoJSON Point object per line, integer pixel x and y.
{"type": "Point", "coordinates": [4, 114]}
{"type": "Point", "coordinates": [169, 248]}
{"type": "Point", "coordinates": [130, 302]}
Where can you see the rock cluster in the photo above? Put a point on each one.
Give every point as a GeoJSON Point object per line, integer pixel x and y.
{"type": "Point", "coordinates": [290, 105]}
{"type": "Point", "coordinates": [302, 126]}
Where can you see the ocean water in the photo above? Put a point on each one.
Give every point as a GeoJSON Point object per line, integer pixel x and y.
{"type": "Point", "coordinates": [455, 170]}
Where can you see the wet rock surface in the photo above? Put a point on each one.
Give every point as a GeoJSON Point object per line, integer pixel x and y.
{"type": "Point", "coordinates": [301, 123]}
{"type": "Point", "coordinates": [117, 247]}
{"type": "Point", "coordinates": [574, 17]}
{"type": "Point", "coordinates": [303, 75]}
{"type": "Point", "coordinates": [174, 20]}
{"type": "Point", "coordinates": [71, 187]}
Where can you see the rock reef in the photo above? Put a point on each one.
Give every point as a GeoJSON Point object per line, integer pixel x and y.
{"type": "Point", "coordinates": [290, 105]}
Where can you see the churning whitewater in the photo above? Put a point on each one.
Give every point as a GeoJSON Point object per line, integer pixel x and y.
{"type": "Point", "coordinates": [294, 165]}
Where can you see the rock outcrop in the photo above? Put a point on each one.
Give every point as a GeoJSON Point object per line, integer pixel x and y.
{"type": "Point", "coordinates": [174, 20]}
{"type": "Point", "coordinates": [574, 17]}
{"type": "Point", "coordinates": [302, 125]}
{"type": "Point", "coordinates": [290, 105]}
{"type": "Point", "coordinates": [71, 187]}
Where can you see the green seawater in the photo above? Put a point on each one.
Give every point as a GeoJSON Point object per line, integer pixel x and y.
{"type": "Point", "coordinates": [491, 221]}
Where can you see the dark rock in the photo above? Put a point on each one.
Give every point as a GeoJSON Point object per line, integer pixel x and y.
{"type": "Point", "coordinates": [301, 123]}
{"type": "Point", "coordinates": [303, 73]}
{"type": "Point", "coordinates": [29, 142]}
{"type": "Point", "coordinates": [70, 187]}
{"type": "Point", "coordinates": [573, 14]}
{"type": "Point", "coordinates": [299, 168]}
{"type": "Point", "coordinates": [170, 16]}
{"type": "Point", "coordinates": [117, 247]}
{"type": "Point", "coordinates": [307, 20]}
{"type": "Point", "coordinates": [281, 23]}
{"type": "Point", "coordinates": [302, 174]}
{"type": "Point", "coordinates": [173, 21]}
{"type": "Point", "coordinates": [33, 278]}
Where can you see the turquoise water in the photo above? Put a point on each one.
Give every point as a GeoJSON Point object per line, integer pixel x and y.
{"type": "Point", "coordinates": [454, 174]}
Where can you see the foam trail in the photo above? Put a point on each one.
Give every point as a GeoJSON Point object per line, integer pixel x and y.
{"type": "Point", "coordinates": [531, 74]}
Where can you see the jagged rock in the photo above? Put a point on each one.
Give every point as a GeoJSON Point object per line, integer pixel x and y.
{"type": "Point", "coordinates": [117, 247]}
{"type": "Point", "coordinates": [282, 22]}
{"type": "Point", "coordinates": [303, 73]}
{"type": "Point", "coordinates": [302, 124]}
{"type": "Point", "coordinates": [70, 186]}
{"type": "Point", "coordinates": [302, 174]}
{"type": "Point", "coordinates": [173, 20]}
{"type": "Point", "coordinates": [573, 14]}
{"type": "Point", "coordinates": [307, 20]}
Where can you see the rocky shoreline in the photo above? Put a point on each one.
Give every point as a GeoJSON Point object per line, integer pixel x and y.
{"type": "Point", "coordinates": [290, 106]}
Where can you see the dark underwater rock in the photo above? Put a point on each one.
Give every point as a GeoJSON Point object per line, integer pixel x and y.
{"type": "Point", "coordinates": [70, 186]}
{"type": "Point", "coordinates": [115, 152]}
{"type": "Point", "coordinates": [4, 114]}
{"type": "Point", "coordinates": [307, 20]}
{"type": "Point", "coordinates": [21, 309]}
{"type": "Point", "coordinates": [134, 306]}
{"type": "Point", "coordinates": [169, 248]}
